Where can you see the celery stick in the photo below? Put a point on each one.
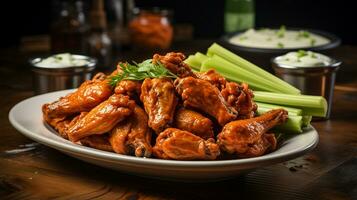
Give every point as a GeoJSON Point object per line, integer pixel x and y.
{"type": "Point", "coordinates": [306, 119]}
{"type": "Point", "coordinates": [311, 105]}
{"type": "Point", "coordinates": [295, 111]}
{"type": "Point", "coordinates": [292, 125]}
{"type": "Point", "coordinates": [193, 62]}
{"type": "Point", "coordinates": [201, 57]}
{"type": "Point", "coordinates": [277, 87]}
{"type": "Point", "coordinates": [207, 66]}
{"type": "Point", "coordinates": [216, 49]}
{"type": "Point", "coordinates": [292, 100]}
{"type": "Point", "coordinates": [266, 109]}
{"type": "Point", "coordinates": [231, 71]}
{"type": "Point", "coordinates": [313, 112]}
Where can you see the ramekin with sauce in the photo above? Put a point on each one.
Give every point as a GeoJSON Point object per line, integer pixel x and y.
{"type": "Point", "coordinates": [313, 73]}
{"type": "Point", "coordinates": [60, 71]}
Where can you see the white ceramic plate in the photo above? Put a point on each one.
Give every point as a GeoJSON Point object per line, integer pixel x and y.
{"type": "Point", "coordinates": [26, 117]}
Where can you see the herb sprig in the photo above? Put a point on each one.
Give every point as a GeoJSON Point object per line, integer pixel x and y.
{"type": "Point", "coordinates": [303, 34]}
{"type": "Point", "coordinates": [281, 32]}
{"type": "Point", "coordinates": [301, 53]}
{"type": "Point", "coordinates": [140, 71]}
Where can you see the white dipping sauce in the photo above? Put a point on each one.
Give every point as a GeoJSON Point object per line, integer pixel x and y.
{"type": "Point", "coordinates": [278, 39]}
{"type": "Point", "coordinates": [303, 59]}
{"type": "Point", "coordinates": [61, 61]}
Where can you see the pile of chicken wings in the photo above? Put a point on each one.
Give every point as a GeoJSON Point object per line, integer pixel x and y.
{"type": "Point", "coordinates": [197, 116]}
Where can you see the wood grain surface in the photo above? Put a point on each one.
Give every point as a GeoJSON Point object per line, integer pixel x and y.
{"type": "Point", "coordinates": [29, 170]}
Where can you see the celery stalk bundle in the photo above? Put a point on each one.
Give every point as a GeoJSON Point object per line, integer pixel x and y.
{"type": "Point", "coordinates": [283, 86]}
{"type": "Point", "coordinates": [310, 105]}
{"type": "Point", "coordinates": [270, 92]}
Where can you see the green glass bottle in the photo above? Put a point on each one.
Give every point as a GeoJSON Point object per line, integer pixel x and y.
{"type": "Point", "coordinates": [238, 15]}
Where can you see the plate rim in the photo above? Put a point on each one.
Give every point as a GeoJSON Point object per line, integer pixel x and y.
{"type": "Point", "coordinates": [110, 156]}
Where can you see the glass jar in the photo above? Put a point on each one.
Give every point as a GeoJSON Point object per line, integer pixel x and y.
{"type": "Point", "coordinates": [99, 44]}
{"type": "Point", "coordinates": [69, 29]}
{"type": "Point", "coordinates": [151, 29]}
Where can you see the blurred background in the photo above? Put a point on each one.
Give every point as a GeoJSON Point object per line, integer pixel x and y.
{"type": "Point", "coordinates": [202, 19]}
{"type": "Point", "coordinates": [107, 29]}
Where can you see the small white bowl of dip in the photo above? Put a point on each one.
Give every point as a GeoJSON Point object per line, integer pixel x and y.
{"type": "Point", "coordinates": [313, 73]}
{"type": "Point", "coordinates": [60, 71]}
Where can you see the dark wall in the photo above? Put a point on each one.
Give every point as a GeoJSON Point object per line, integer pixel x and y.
{"type": "Point", "coordinates": [33, 17]}
{"type": "Point", "coordinates": [20, 18]}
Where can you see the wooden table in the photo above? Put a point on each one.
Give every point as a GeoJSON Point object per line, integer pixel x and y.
{"type": "Point", "coordinates": [29, 170]}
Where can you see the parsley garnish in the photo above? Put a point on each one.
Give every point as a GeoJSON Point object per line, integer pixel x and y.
{"type": "Point", "coordinates": [281, 32]}
{"type": "Point", "coordinates": [140, 71]}
{"type": "Point", "coordinates": [304, 34]}
{"type": "Point", "coordinates": [301, 53]}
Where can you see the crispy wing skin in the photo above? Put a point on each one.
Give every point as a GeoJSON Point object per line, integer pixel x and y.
{"type": "Point", "coordinates": [194, 122]}
{"type": "Point", "coordinates": [132, 136]}
{"type": "Point", "coordinates": [68, 122]}
{"type": "Point", "coordinates": [241, 98]}
{"type": "Point", "coordinates": [59, 124]}
{"type": "Point", "coordinates": [247, 138]}
{"type": "Point", "coordinates": [202, 95]}
{"type": "Point", "coordinates": [266, 144]}
{"type": "Point", "coordinates": [174, 62]}
{"type": "Point", "coordinates": [159, 99]}
{"type": "Point", "coordinates": [176, 144]}
{"type": "Point", "coordinates": [87, 96]}
{"type": "Point", "coordinates": [128, 87]}
{"type": "Point", "coordinates": [100, 142]}
{"type": "Point", "coordinates": [102, 118]}
{"type": "Point", "coordinates": [213, 77]}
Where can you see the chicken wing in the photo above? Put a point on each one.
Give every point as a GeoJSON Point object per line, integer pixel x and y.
{"type": "Point", "coordinates": [266, 144]}
{"type": "Point", "coordinates": [174, 62]}
{"type": "Point", "coordinates": [96, 141]}
{"type": "Point", "coordinates": [87, 96]}
{"type": "Point", "coordinates": [182, 145]}
{"type": "Point", "coordinates": [240, 97]}
{"type": "Point", "coordinates": [128, 87]}
{"type": "Point", "coordinates": [100, 142]}
{"type": "Point", "coordinates": [194, 122]}
{"type": "Point", "coordinates": [159, 99]}
{"type": "Point", "coordinates": [132, 136]}
{"type": "Point", "coordinates": [247, 138]}
{"type": "Point", "coordinates": [102, 118]}
{"type": "Point", "coordinates": [59, 124]}
{"type": "Point", "coordinates": [202, 95]}
{"type": "Point", "coordinates": [213, 77]}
